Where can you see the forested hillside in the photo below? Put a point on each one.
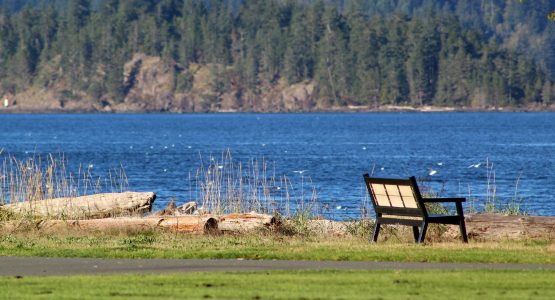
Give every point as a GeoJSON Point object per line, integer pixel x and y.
{"type": "Point", "coordinates": [271, 55]}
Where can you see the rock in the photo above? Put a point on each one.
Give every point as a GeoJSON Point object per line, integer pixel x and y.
{"type": "Point", "coordinates": [188, 208]}
{"type": "Point", "coordinates": [299, 96]}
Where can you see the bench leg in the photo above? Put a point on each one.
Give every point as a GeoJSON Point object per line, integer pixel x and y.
{"type": "Point", "coordinates": [462, 227]}
{"type": "Point", "coordinates": [462, 224]}
{"type": "Point", "coordinates": [376, 232]}
{"type": "Point", "coordinates": [416, 233]}
{"type": "Point", "coordinates": [422, 236]}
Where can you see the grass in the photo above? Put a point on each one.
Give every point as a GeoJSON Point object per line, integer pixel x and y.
{"type": "Point", "coordinates": [328, 284]}
{"type": "Point", "coordinates": [269, 246]}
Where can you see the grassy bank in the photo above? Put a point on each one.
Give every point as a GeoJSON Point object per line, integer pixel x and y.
{"type": "Point", "coordinates": [430, 284]}
{"type": "Point", "coordinates": [269, 245]}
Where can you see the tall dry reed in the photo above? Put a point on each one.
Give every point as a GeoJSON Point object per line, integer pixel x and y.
{"type": "Point", "coordinates": [35, 179]}
{"type": "Point", "coordinates": [226, 185]}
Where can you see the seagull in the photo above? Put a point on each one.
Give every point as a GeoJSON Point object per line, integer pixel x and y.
{"type": "Point", "coordinates": [432, 172]}
{"type": "Point", "coordinates": [300, 172]}
{"type": "Point", "coordinates": [363, 148]}
{"type": "Point", "coordinates": [475, 166]}
{"type": "Point", "coordinates": [440, 164]}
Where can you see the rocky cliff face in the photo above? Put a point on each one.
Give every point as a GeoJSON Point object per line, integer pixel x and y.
{"type": "Point", "coordinates": [152, 85]}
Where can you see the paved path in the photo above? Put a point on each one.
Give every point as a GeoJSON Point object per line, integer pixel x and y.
{"type": "Point", "coordinates": [26, 266]}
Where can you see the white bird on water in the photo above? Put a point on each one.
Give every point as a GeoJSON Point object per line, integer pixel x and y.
{"type": "Point", "coordinates": [475, 166]}
{"type": "Point", "coordinates": [300, 172]}
{"type": "Point", "coordinates": [432, 172]}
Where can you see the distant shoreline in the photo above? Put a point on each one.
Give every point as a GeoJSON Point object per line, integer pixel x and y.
{"type": "Point", "coordinates": [346, 109]}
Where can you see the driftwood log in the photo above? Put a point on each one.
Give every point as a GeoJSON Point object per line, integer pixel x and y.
{"type": "Point", "coordinates": [87, 207]}
{"type": "Point", "coordinates": [491, 227]}
{"type": "Point", "coordinates": [185, 224]}
{"type": "Point", "coordinates": [246, 222]}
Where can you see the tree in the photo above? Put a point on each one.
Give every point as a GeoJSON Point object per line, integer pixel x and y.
{"type": "Point", "coordinates": [333, 60]}
{"type": "Point", "coordinates": [297, 61]}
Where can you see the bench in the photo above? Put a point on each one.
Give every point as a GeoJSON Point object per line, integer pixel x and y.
{"type": "Point", "coordinates": [398, 201]}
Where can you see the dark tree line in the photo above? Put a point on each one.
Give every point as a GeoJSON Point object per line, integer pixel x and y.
{"type": "Point", "coordinates": [356, 54]}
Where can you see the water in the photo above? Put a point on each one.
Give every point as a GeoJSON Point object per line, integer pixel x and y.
{"type": "Point", "coordinates": [159, 151]}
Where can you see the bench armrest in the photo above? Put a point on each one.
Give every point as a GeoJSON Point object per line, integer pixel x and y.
{"type": "Point", "coordinates": [435, 200]}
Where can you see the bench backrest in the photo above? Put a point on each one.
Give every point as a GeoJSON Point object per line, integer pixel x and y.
{"type": "Point", "coordinates": [395, 196]}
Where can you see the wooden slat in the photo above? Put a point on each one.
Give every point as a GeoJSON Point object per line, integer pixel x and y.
{"type": "Point", "coordinates": [408, 196]}
{"type": "Point", "coordinates": [380, 195]}
{"type": "Point", "coordinates": [394, 195]}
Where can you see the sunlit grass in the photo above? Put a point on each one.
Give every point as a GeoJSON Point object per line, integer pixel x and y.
{"type": "Point", "coordinates": [269, 245]}
{"type": "Point", "coordinates": [413, 284]}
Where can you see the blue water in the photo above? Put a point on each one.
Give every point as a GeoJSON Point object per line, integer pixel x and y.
{"type": "Point", "coordinates": [160, 151]}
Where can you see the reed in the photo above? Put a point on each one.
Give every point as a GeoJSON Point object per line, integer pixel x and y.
{"type": "Point", "coordinates": [227, 185]}
{"type": "Point", "coordinates": [36, 178]}
{"type": "Point", "coordinates": [493, 204]}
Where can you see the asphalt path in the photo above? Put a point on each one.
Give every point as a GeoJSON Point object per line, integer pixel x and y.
{"type": "Point", "coordinates": [46, 266]}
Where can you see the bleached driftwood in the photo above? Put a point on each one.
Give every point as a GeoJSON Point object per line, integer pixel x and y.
{"type": "Point", "coordinates": [496, 226]}
{"type": "Point", "coordinates": [86, 207]}
{"type": "Point", "coordinates": [245, 222]}
{"type": "Point", "coordinates": [190, 224]}
{"type": "Point", "coordinates": [185, 224]}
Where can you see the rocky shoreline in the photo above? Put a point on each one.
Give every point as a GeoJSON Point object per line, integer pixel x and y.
{"type": "Point", "coordinates": [89, 107]}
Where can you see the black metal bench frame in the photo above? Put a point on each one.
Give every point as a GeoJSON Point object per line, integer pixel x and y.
{"type": "Point", "coordinates": [418, 217]}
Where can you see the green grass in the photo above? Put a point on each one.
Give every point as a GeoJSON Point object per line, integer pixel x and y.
{"type": "Point", "coordinates": [270, 246]}
{"type": "Point", "coordinates": [426, 284]}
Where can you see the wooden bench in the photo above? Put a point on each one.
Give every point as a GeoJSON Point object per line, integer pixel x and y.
{"type": "Point", "coordinates": [398, 201]}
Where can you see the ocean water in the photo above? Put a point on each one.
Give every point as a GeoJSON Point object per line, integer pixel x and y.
{"type": "Point", "coordinates": [453, 153]}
